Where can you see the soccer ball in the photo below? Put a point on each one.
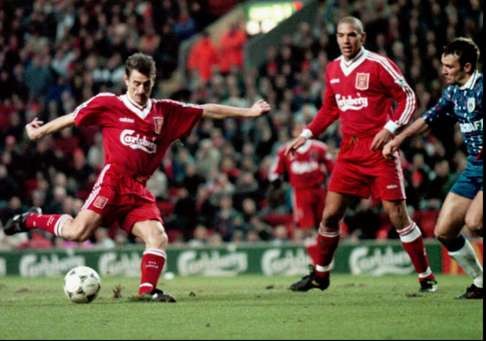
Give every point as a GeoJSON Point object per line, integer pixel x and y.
{"type": "Point", "coordinates": [82, 284]}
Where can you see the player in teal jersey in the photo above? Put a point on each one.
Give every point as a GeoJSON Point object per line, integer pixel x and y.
{"type": "Point", "coordinates": [461, 99]}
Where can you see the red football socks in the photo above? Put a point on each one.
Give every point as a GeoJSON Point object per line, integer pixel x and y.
{"type": "Point", "coordinates": [153, 261]}
{"type": "Point", "coordinates": [413, 243]}
{"type": "Point", "coordinates": [327, 244]}
{"type": "Point", "coordinates": [51, 223]}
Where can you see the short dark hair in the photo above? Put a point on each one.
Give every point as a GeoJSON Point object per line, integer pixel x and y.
{"type": "Point", "coordinates": [466, 49]}
{"type": "Point", "coordinates": [353, 21]}
{"type": "Point", "coordinates": [141, 62]}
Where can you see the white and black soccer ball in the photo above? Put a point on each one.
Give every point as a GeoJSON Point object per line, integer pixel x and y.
{"type": "Point", "coordinates": [82, 284]}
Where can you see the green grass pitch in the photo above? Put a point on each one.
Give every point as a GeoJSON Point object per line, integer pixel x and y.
{"type": "Point", "coordinates": [244, 307]}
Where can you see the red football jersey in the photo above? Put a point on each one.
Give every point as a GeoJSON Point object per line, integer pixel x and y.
{"type": "Point", "coordinates": [135, 139]}
{"type": "Point", "coordinates": [308, 167]}
{"type": "Point", "coordinates": [364, 93]}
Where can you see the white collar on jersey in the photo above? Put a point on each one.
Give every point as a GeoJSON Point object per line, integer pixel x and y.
{"type": "Point", "coordinates": [347, 66]}
{"type": "Point", "coordinates": [135, 108]}
{"type": "Point", "coordinates": [471, 81]}
{"type": "Point", "coordinates": [304, 148]}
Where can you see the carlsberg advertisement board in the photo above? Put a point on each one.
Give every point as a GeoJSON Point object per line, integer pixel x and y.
{"type": "Point", "coordinates": [364, 257]}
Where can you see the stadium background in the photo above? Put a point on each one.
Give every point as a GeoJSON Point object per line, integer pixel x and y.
{"type": "Point", "coordinates": [212, 186]}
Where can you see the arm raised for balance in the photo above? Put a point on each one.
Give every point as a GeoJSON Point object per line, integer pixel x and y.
{"type": "Point", "coordinates": [219, 111]}
{"type": "Point", "coordinates": [36, 129]}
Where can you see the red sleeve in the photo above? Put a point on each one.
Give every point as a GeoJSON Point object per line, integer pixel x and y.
{"type": "Point", "coordinates": [181, 117]}
{"type": "Point", "coordinates": [91, 111]}
{"type": "Point", "coordinates": [277, 168]}
{"type": "Point", "coordinates": [397, 87]}
{"type": "Point", "coordinates": [327, 114]}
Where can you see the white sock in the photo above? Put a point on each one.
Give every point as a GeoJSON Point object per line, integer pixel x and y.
{"type": "Point", "coordinates": [466, 258]}
{"type": "Point", "coordinates": [326, 268]}
{"type": "Point", "coordinates": [60, 224]}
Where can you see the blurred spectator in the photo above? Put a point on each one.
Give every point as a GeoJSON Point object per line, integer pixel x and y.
{"type": "Point", "coordinates": [36, 240]}
{"type": "Point", "coordinates": [231, 48]}
{"type": "Point", "coordinates": [227, 219]}
{"type": "Point", "coordinates": [103, 240]}
{"type": "Point", "coordinates": [192, 179]}
{"type": "Point", "coordinates": [202, 58]}
{"type": "Point", "coordinates": [184, 26]}
{"type": "Point", "coordinates": [363, 220]}
{"type": "Point", "coordinates": [441, 181]}
{"type": "Point", "coordinates": [185, 213]}
{"type": "Point", "coordinates": [13, 206]}
{"type": "Point", "coordinates": [280, 235]}
{"type": "Point", "coordinates": [207, 158]}
{"type": "Point", "coordinates": [95, 154]}
{"type": "Point", "coordinates": [157, 184]}
{"type": "Point", "coordinates": [200, 237]}
{"type": "Point", "coordinates": [8, 185]}
{"type": "Point", "coordinates": [38, 75]}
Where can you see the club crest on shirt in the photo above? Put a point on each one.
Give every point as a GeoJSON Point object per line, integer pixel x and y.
{"type": "Point", "coordinates": [471, 104]}
{"type": "Point", "coordinates": [158, 122]}
{"type": "Point", "coordinates": [100, 202]}
{"type": "Point", "coordinates": [362, 81]}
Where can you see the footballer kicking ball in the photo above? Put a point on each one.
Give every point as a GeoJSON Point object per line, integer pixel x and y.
{"type": "Point", "coordinates": [82, 284]}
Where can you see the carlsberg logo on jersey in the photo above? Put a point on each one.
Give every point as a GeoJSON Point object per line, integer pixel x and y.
{"type": "Point", "coordinates": [298, 167]}
{"type": "Point", "coordinates": [377, 261]}
{"type": "Point", "coordinates": [349, 103]}
{"type": "Point", "coordinates": [129, 138]}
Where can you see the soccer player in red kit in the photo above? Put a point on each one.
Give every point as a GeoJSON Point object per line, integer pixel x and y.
{"type": "Point", "coordinates": [307, 171]}
{"type": "Point", "coordinates": [136, 130]}
{"type": "Point", "coordinates": [370, 96]}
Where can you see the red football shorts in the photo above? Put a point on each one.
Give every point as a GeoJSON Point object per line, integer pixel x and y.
{"type": "Point", "coordinates": [120, 199]}
{"type": "Point", "coordinates": [308, 206]}
{"type": "Point", "coordinates": [361, 172]}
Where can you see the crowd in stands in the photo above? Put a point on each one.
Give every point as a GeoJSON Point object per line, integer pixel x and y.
{"type": "Point", "coordinates": [224, 56]}
{"type": "Point", "coordinates": [212, 186]}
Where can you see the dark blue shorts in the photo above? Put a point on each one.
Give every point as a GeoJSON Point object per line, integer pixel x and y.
{"type": "Point", "coordinates": [470, 182]}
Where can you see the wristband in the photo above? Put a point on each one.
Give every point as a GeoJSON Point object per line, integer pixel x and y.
{"type": "Point", "coordinates": [306, 133]}
{"type": "Point", "coordinates": [391, 127]}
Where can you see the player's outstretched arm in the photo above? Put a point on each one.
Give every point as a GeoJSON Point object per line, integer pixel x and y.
{"type": "Point", "coordinates": [36, 129]}
{"type": "Point", "coordinates": [220, 111]}
{"type": "Point", "coordinates": [417, 127]}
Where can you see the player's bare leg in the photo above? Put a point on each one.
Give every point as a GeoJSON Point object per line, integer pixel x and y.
{"type": "Point", "coordinates": [81, 227]}
{"type": "Point", "coordinates": [448, 232]}
{"type": "Point", "coordinates": [327, 242]}
{"type": "Point", "coordinates": [474, 215]}
{"type": "Point", "coordinates": [412, 242]}
{"type": "Point", "coordinates": [153, 260]}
